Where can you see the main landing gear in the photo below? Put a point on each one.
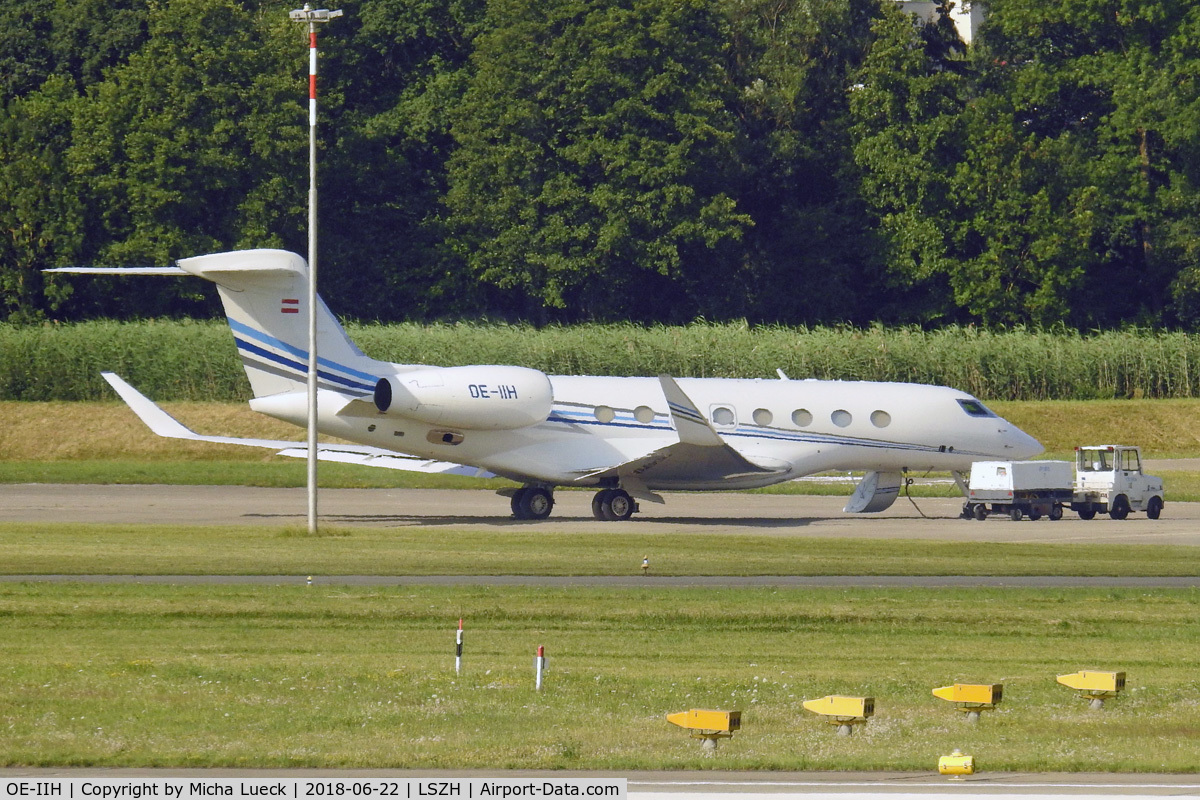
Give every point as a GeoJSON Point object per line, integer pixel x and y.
{"type": "Point", "coordinates": [536, 502]}
{"type": "Point", "coordinates": [613, 504]}
{"type": "Point", "coordinates": [532, 502]}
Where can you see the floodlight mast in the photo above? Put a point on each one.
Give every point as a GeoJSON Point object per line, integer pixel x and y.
{"type": "Point", "coordinates": [312, 17]}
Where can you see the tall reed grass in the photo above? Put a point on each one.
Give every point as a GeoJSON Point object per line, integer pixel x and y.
{"type": "Point", "coordinates": [191, 360]}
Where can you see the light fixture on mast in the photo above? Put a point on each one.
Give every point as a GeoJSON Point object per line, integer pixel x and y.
{"type": "Point", "coordinates": [312, 17]}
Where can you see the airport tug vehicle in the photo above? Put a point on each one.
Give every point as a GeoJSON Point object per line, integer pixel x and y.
{"type": "Point", "coordinates": [1105, 479]}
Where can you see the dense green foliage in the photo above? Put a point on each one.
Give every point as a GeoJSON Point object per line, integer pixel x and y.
{"type": "Point", "coordinates": [796, 162]}
{"type": "Point", "coordinates": [197, 360]}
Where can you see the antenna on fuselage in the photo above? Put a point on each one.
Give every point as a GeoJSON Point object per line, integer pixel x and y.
{"type": "Point", "coordinates": [782, 375]}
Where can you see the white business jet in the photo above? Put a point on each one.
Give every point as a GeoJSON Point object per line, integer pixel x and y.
{"type": "Point", "coordinates": [628, 437]}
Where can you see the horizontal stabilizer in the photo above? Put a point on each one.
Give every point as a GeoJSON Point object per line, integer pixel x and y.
{"type": "Point", "coordinates": [120, 270]}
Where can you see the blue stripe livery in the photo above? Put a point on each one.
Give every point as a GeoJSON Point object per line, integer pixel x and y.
{"type": "Point", "coordinates": [365, 382]}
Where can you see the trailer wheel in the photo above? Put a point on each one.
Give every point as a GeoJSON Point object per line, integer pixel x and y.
{"type": "Point", "coordinates": [1086, 511]}
{"type": "Point", "coordinates": [1056, 512]}
{"type": "Point", "coordinates": [1119, 508]}
{"type": "Point", "coordinates": [1014, 514]}
{"type": "Point", "coordinates": [1154, 507]}
{"type": "Point", "coordinates": [981, 512]}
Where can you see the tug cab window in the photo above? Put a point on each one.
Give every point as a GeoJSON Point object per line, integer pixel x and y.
{"type": "Point", "coordinates": [1094, 461]}
{"type": "Point", "coordinates": [975, 408]}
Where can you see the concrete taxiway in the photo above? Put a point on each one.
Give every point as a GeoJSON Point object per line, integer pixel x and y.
{"type": "Point", "coordinates": [725, 513]}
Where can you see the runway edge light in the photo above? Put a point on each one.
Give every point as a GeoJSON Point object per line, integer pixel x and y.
{"type": "Point", "coordinates": [1094, 685]}
{"type": "Point", "coordinates": [708, 726]}
{"type": "Point", "coordinates": [972, 698]}
{"type": "Point", "coordinates": [845, 712]}
{"type": "Point", "coordinates": [956, 765]}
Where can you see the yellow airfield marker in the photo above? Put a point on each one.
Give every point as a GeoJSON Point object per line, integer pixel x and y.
{"type": "Point", "coordinates": [845, 712]}
{"type": "Point", "coordinates": [1094, 685]}
{"type": "Point", "coordinates": [972, 698]}
{"type": "Point", "coordinates": [707, 726]}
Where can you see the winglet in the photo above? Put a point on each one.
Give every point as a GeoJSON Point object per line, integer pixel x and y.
{"type": "Point", "coordinates": [690, 424]}
{"type": "Point", "coordinates": [157, 420]}
{"type": "Point", "coordinates": [163, 424]}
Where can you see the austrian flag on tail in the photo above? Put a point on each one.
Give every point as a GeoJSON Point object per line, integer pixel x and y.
{"type": "Point", "coordinates": [290, 306]}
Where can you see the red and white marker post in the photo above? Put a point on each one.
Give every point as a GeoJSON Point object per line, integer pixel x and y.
{"type": "Point", "coordinates": [312, 17]}
{"type": "Point", "coordinates": [458, 649]}
{"type": "Point", "coordinates": [539, 665]}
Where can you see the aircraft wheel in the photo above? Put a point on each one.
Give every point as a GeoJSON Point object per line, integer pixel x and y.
{"type": "Point", "coordinates": [1119, 508]}
{"type": "Point", "coordinates": [532, 502]}
{"type": "Point", "coordinates": [620, 505]}
{"type": "Point", "coordinates": [1086, 511]}
{"type": "Point", "coordinates": [518, 504]}
{"type": "Point", "coordinates": [1014, 514]}
{"type": "Point", "coordinates": [981, 512]}
{"type": "Point", "coordinates": [1154, 507]}
{"type": "Point", "coordinates": [613, 504]}
{"type": "Point", "coordinates": [600, 504]}
{"type": "Point", "coordinates": [1056, 512]}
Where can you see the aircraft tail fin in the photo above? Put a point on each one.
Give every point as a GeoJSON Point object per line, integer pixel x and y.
{"type": "Point", "coordinates": [265, 295]}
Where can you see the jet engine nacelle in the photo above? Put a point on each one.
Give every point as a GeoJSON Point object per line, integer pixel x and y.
{"type": "Point", "coordinates": [473, 398]}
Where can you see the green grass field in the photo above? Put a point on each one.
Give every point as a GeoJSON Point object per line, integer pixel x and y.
{"type": "Point", "coordinates": [161, 549]}
{"type": "Point", "coordinates": [322, 676]}
{"type": "Point", "coordinates": [459, 550]}
{"type": "Point", "coordinates": [337, 676]}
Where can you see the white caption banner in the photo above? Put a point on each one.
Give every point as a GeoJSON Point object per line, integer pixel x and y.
{"type": "Point", "coordinates": [139, 788]}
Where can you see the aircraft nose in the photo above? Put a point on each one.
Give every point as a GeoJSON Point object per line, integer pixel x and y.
{"type": "Point", "coordinates": [1020, 445]}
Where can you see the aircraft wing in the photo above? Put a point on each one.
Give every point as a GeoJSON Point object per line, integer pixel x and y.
{"type": "Point", "coordinates": [699, 455]}
{"type": "Point", "coordinates": [163, 424]}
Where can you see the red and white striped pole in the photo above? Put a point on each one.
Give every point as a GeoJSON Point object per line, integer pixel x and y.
{"type": "Point", "coordinates": [312, 17]}
{"type": "Point", "coordinates": [539, 664]}
{"type": "Point", "coordinates": [458, 649]}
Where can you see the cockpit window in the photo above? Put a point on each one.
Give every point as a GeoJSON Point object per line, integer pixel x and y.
{"type": "Point", "coordinates": [975, 408]}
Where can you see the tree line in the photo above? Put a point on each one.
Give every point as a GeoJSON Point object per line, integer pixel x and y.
{"type": "Point", "coordinates": [777, 161]}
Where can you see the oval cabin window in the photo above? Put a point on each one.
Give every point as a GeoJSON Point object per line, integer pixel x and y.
{"type": "Point", "coordinates": [841, 418]}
